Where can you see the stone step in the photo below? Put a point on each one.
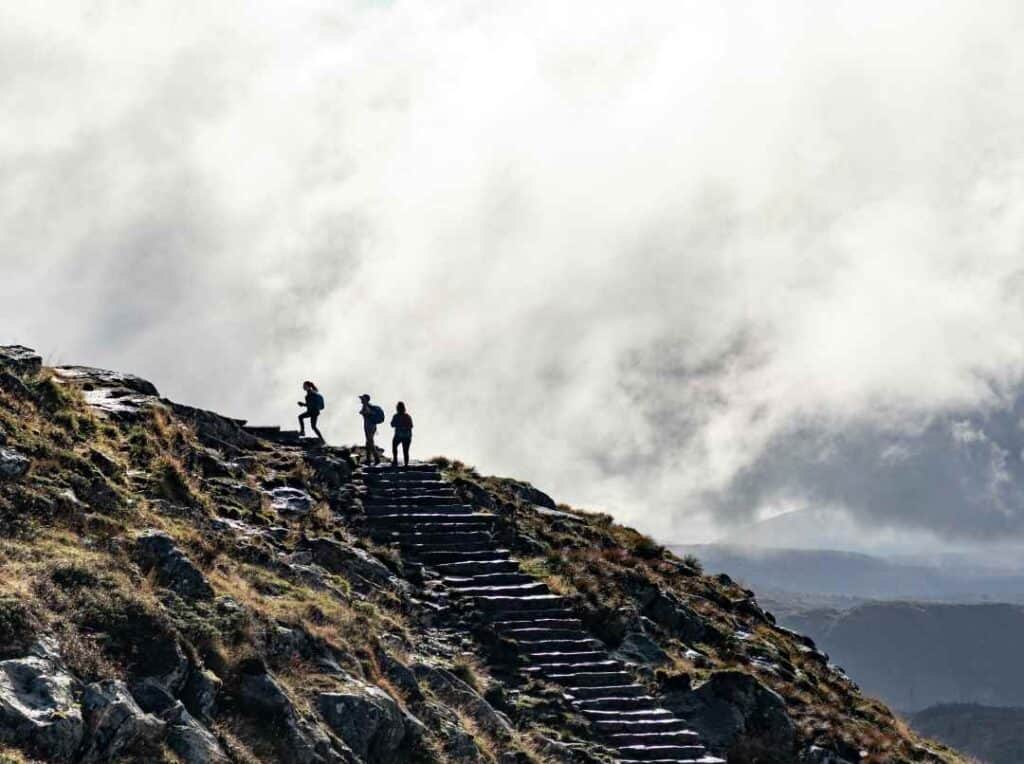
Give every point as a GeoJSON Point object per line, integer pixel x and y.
{"type": "Point", "coordinates": [552, 623]}
{"type": "Point", "coordinates": [408, 483]}
{"type": "Point", "coordinates": [506, 604]}
{"type": "Point", "coordinates": [675, 737]}
{"type": "Point", "coordinates": [648, 753]}
{"type": "Point", "coordinates": [704, 759]}
{"type": "Point", "coordinates": [462, 538]}
{"type": "Point", "coordinates": [616, 691]}
{"type": "Point", "coordinates": [607, 726]}
{"type": "Point", "coordinates": [530, 589]}
{"type": "Point", "coordinates": [570, 666]}
{"type": "Point", "coordinates": [416, 467]}
{"type": "Point", "coordinates": [411, 497]}
{"type": "Point", "coordinates": [591, 678]}
{"type": "Point", "coordinates": [548, 646]}
{"type": "Point", "coordinates": [410, 510]}
{"type": "Point", "coordinates": [411, 500]}
{"type": "Point", "coordinates": [642, 702]}
{"type": "Point", "coordinates": [543, 633]}
{"type": "Point", "coordinates": [547, 659]}
{"type": "Point", "coordinates": [428, 520]}
{"type": "Point", "coordinates": [643, 714]}
{"type": "Point", "coordinates": [439, 556]}
{"type": "Point", "coordinates": [476, 547]}
{"type": "Point", "coordinates": [489, 579]}
{"type": "Point", "coordinates": [477, 567]}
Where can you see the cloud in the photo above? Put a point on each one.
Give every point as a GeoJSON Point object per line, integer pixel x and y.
{"type": "Point", "coordinates": [677, 262]}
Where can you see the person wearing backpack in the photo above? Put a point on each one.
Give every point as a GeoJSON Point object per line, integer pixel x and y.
{"type": "Point", "coordinates": [314, 404]}
{"type": "Point", "coordinates": [402, 423]}
{"type": "Point", "coordinates": [373, 415]}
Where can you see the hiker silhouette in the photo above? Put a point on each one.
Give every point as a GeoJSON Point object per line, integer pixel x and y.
{"type": "Point", "coordinates": [372, 416]}
{"type": "Point", "coordinates": [402, 423]}
{"type": "Point", "coordinates": [314, 404]}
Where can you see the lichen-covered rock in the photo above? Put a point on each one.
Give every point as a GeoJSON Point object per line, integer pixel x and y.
{"type": "Point", "coordinates": [13, 464]}
{"type": "Point", "coordinates": [733, 708]}
{"type": "Point", "coordinates": [186, 736]}
{"type": "Point", "coordinates": [38, 710]}
{"type": "Point", "coordinates": [115, 724]}
{"type": "Point", "coordinates": [369, 721]}
{"type": "Point", "coordinates": [155, 550]}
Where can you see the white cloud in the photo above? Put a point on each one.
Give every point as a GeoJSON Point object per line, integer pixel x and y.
{"type": "Point", "coordinates": [622, 251]}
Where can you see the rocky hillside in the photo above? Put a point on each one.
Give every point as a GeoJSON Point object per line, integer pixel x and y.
{"type": "Point", "coordinates": [177, 587]}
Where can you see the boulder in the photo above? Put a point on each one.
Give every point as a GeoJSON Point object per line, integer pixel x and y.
{"type": "Point", "coordinates": [290, 501]}
{"type": "Point", "coordinates": [348, 561]}
{"type": "Point", "coordinates": [115, 724]}
{"type": "Point", "coordinates": [532, 495]}
{"type": "Point", "coordinates": [816, 754]}
{"type": "Point", "coordinates": [669, 612]}
{"type": "Point", "coordinates": [369, 721]}
{"type": "Point", "coordinates": [38, 710]}
{"type": "Point", "coordinates": [638, 648]}
{"type": "Point", "coordinates": [13, 465]}
{"type": "Point", "coordinates": [20, 359]}
{"type": "Point", "coordinates": [155, 550]}
{"type": "Point", "coordinates": [186, 736]}
{"type": "Point", "coordinates": [734, 709]}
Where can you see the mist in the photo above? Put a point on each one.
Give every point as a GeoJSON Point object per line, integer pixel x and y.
{"type": "Point", "coordinates": [692, 265]}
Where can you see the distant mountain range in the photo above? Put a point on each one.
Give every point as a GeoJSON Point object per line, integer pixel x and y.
{"type": "Point", "coordinates": [993, 735]}
{"type": "Point", "coordinates": [777, 574]}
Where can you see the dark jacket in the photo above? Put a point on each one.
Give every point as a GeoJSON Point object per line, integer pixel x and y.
{"type": "Point", "coordinates": [403, 426]}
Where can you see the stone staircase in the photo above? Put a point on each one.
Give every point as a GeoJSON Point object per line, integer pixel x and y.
{"type": "Point", "coordinates": [282, 437]}
{"type": "Point", "coordinates": [415, 509]}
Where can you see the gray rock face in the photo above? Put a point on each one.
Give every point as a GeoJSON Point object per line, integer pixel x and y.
{"type": "Point", "coordinates": [19, 359]}
{"type": "Point", "coordinates": [369, 721]}
{"type": "Point", "coordinates": [818, 755]}
{"type": "Point", "coordinates": [733, 707]}
{"type": "Point", "coordinates": [200, 693]}
{"type": "Point", "coordinates": [113, 394]}
{"type": "Point", "coordinates": [666, 610]}
{"type": "Point", "coordinates": [186, 736]}
{"type": "Point", "coordinates": [455, 692]}
{"type": "Point", "coordinates": [304, 741]}
{"type": "Point", "coordinates": [13, 465]}
{"type": "Point", "coordinates": [115, 723]}
{"type": "Point", "coordinates": [291, 501]}
{"type": "Point", "coordinates": [349, 561]}
{"type": "Point", "coordinates": [640, 649]}
{"type": "Point", "coordinates": [155, 550]}
{"type": "Point", "coordinates": [38, 710]}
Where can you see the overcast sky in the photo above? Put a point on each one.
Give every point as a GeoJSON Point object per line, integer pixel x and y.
{"type": "Point", "coordinates": [694, 263]}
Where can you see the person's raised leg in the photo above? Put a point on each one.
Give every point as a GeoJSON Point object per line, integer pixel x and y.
{"type": "Point", "coordinates": [405, 452]}
{"type": "Point", "coordinates": [302, 423]}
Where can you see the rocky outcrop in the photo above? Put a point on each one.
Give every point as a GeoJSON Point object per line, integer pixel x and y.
{"type": "Point", "coordinates": [115, 724]}
{"type": "Point", "coordinates": [20, 360]}
{"type": "Point", "coordinates": [454, 692]}
{"type": "Point", "coordinates": [303, 740]}
{"type": "Point", "coordinates": [13, 465]}
{"type": "Point", "coordinates": [156, 551]}
{"type": "Point", "coordinates": [186, 736]}
{"type": "Point", "coordinates": [733, 708]}
{"type": "Point", "coordinates": [291, 501]}
{"type": "Point", "coordinates": [370, 722]}
{"type": "Point", "coordinates": [349, 561]}
{"type": "Point", "coordinates": [38, 709]}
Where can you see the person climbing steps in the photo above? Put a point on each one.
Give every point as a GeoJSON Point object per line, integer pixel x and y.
{"type": "Point", "coordinates": [314, 404]}
{"type": "Point", "coordinates": [402, 423]}
{"type": "Point", "coordinates": [373, 415]}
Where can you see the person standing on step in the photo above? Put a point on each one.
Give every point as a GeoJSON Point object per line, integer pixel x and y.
{"type": "Point", "coordinates": [314, 404]}
{"type": "Point", "coordinates": [402, 423]}
{"type": "Point", "coordinates": [373, 415]}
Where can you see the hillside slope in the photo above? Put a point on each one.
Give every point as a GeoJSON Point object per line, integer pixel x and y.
{"type": "Point", "coordinates": [993, 735]}
{"type": "Point", "coordinates": [916, 655]}
{"type": "Point", "coordinates": [175, 587]}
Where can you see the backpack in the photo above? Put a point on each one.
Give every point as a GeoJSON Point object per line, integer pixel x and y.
{"type": "Point", "coordinates": [376, 414]}
{"type": "Point", "coordinates": [318, 401]}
